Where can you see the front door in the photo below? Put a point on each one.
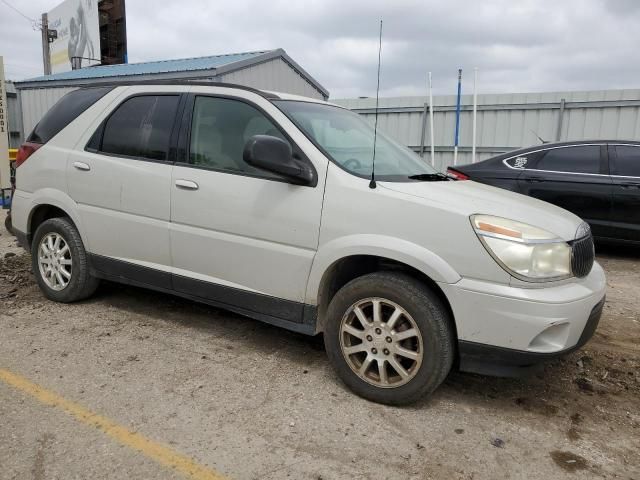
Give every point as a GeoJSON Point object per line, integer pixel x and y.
{"type": "Point", "coordinates": [240, 236]}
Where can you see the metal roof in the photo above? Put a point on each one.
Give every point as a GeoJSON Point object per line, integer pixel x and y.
{"type": "Point", "coordinates": [197, 67]}
{"type": "Point", "coordinates": [146, 68]}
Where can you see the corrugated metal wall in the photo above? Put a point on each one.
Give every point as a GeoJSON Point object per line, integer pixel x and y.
{"type": "Point", "coordinates": [14, 117]}
{"type": "Point", "coordinates": [276, 75]}
{"type": "Point", "coordinates": [506, 121]}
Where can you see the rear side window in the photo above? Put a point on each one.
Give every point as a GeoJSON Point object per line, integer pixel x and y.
{"type": "Point", "coordinates": [65, 111]}
{"type": "Point", "coordinates": [627, 161]}
{"type": "Point", "coordinates": [140, 127]}
{"type": "Point", "coordinates": [579, 159]}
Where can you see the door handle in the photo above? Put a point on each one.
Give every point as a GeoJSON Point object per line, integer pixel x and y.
{"type": "Point", "coordinates": [630, 185]}
{"type": "Point", "coordinates": [186, 184]}
{"type": "Point", "coordinates": [81, 166]}
{"type": "Point", "coordinates": [534, 179]}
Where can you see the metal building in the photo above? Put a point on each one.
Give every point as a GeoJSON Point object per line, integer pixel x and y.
{"type": "Point", "coordinates": [15, 119]}
{"type": "Point", "coordinates": [267, 70]}
{"type": "Point", "coordinates": [505, 121]}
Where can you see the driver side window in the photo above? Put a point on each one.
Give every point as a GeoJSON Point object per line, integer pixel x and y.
{"type": "Point", "coordinates": [220, 128]}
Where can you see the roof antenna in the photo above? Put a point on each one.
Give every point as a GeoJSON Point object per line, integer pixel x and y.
{"type": "Point", "coordinates": [372, 183]}
{"type": "Point", "coordinates": [539, 137]}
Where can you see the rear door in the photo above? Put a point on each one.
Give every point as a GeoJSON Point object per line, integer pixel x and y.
{"type": "Point", "coordinates": [121, 180]}
{"type": "Point", "coordinates": [574, 177]}
{"type": "Point", "coordinates": [240, 236]}
{"type": "Point", "coordinates": [624, 161]}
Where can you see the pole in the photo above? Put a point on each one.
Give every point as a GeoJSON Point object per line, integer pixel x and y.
{"type": "Point", "coordinates": [423, 129]}
{"type": "Point", "coordinates": [431, 140]}
{"type": "Point", "coordinates": [455, 143]}
{"type": "Point", "coordinates": [560, 115]}
{"type": "Point", "coordinates": [475, 114]}
{"type": "Point", "coordinates": [46, 58]}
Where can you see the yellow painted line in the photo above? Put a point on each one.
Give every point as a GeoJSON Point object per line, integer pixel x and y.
{"type": "Point", "coordinates": [161, 454]}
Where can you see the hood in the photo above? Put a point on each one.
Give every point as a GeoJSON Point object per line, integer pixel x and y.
{"type": "Point", "coordinates": [468, 198]}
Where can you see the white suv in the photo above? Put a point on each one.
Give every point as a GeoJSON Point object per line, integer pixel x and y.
{"type": "Point", "coordinates": [263, 204]}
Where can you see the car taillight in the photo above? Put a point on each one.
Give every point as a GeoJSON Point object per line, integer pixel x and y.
{"type": "Point", "coordinates": [25, 151]}
{"type": "Point", "coordinates": [457, 174]}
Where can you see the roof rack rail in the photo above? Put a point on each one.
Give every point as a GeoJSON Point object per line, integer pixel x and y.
{"type": "Point", "coordinates": [121, 83]}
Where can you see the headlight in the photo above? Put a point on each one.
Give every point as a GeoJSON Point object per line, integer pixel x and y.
{"type": "Point", "coordinates": [526, 252]}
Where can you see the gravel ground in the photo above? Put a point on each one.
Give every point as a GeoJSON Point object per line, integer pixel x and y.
{"type": "Point", "coordinates": [253, 401]}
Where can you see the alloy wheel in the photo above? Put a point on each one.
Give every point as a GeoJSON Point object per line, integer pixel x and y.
{"type": "Point", "coordinates": [381, 342]}
{"type": "Point", "coordinates": [54, 261]}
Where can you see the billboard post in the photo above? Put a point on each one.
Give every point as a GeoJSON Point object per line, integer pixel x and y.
{"type": "Point", "coordinates": [5, 171]}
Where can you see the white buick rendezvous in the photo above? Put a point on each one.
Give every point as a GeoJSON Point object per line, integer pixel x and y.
{"type": "Point", "coordinates": [262, 204]}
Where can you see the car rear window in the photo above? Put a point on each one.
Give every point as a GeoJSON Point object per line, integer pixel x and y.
{"type": "Point", "coordinates": [65, 111]}
{"type": "Point", "coordinates": [578, 159]}
{"type": "Point", "coordinates": [627, 161]}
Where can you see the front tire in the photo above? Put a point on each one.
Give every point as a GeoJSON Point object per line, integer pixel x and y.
{"type": "Point", "coordinates": [60, 262]}
{"type": "Point", "coordinates": [389, 338]}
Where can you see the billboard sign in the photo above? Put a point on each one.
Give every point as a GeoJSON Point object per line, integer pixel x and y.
{"type": "Point", "coordinates": [78, 35]}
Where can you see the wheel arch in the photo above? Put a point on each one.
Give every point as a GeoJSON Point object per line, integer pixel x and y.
{"type": "Point", "coordinates": [52, 204]}
{"type": "Point", "coordinates": [332, 272]}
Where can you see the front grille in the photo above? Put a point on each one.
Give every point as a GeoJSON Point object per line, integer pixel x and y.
{"type": "Point", "coordinates": [582, 256]}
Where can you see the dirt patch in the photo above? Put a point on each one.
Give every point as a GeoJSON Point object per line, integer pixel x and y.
{"type": "Point", "coordinates": [15, 275]}
{"type": "Point", "coordinates": [39, 469]}
{"type": "Point", "coordinates": [569, 461]}
{"type": "Point", "coordinates": [537, 405]}
{"type": "Point", "coordinates": [573, 434]}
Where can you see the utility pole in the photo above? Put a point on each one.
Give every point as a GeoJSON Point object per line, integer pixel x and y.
{"type": "Point", "coordinates": [431, 136]}
{"type": "Point", "coordinates": [457, 135]}
{"type": "Point", "coordinates": [46, 58]}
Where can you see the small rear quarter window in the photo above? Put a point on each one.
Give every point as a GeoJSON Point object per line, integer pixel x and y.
{"type": "Point", "coordinates": [520, 162]}
{"type": "Point", "coordinates": [65, 111]}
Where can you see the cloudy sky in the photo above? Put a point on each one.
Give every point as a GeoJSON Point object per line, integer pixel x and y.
{"type": "Point", "coordinates": [519, 46]}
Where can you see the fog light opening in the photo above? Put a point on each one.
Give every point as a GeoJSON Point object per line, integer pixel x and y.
{"type": "Point", "coordinates": [551, 339]}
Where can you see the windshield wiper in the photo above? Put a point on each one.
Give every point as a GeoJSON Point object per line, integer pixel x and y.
{"type": "Point", "coordinates": [430, 177]}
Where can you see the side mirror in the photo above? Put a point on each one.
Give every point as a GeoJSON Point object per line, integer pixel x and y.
{"type": "Point", "coordinates": [275, 155]}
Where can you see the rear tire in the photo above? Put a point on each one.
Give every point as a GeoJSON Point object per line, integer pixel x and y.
{"type": "Point", "coordinates": [60, 262]}
{"type": "Point", "coordinates": [394, 356]}
{"type": "Point", "coordinates": [8, 224]}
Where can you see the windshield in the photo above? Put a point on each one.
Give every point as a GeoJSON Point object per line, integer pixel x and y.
{"type": "Point", "coordinates": [348, 139]}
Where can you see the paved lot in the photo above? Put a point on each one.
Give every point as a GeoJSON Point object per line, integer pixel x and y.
{"type": "Point", "coordinates": [136, 384]}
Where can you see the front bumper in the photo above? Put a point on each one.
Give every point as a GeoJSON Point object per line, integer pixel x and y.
{"type": "Point", "coordinates": [507, 362]}
{"type": "Point", "coordinates": [504, 330]}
